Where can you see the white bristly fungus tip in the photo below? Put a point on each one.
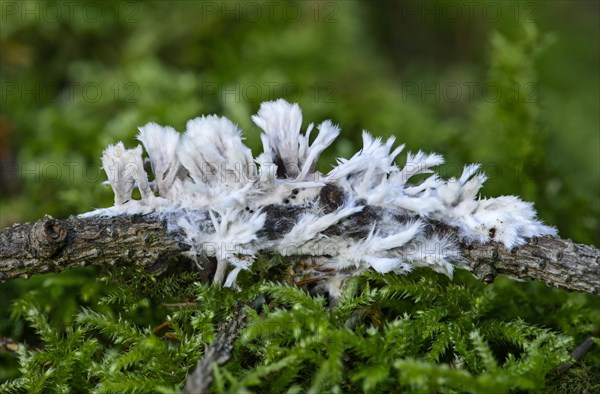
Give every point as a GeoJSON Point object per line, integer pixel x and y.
{"type": "Point", "coordinates": [125, 169]}
{"type": "Point", "coordinates": [211, 189]}
{"type": "Point", "coordinates": [161, 145]}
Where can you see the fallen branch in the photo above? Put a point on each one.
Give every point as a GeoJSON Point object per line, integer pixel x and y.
{"type": "Point", "coordinates": [52, 245]}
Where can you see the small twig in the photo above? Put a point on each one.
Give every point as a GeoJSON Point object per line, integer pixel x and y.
{"type": "Point", "coordinates": [179, 304]}
{"type": "Point", "coordinates": [158, 329]}
{"type": "Point", "coordinates": [576, 355]}
{"type": "Point", "coordinates": [218, 352]}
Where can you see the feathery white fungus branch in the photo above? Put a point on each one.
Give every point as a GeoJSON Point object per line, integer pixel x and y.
{"type": "Point", "coordinates": [208, 169]}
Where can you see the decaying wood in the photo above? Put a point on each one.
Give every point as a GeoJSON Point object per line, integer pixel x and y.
{"type": "Point", "coordinates": [554, 261]}
{"type": "Point", "coordinates": [51, 245]}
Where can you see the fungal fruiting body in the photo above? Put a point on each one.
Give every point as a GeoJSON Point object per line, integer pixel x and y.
{"type": "Point", "coordinates": [206, 183]}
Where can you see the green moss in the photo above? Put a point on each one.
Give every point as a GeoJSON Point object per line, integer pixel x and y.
{"type": "Point", "coordinates": [577, 379]}
{"type": "Point", "coordinates": [421, 333]}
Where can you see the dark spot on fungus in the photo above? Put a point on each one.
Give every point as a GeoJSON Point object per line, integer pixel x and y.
{"type": "Point", "coordinates": [492, 232]}
{"type": "Point", "coordinates": [281, 171]}
{"type": "Point", "coordinates": [280, 219]}
{"type": "Point", "coordinates": [331, 198]}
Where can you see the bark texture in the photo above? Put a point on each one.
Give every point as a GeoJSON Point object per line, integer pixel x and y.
{"type": "Point", "coordinates": [51, 245]}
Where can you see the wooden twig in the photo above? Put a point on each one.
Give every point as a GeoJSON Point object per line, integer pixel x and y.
{"type": "Point", "coordinates": [217, 353]}
{"type": "Point", "coordinates": [557, 262]}
{"type": "Point", "coordinates": [576, 355]}
{"type": "Point", "coordinates": [51, 245]}
{"type": "Point", "coordinates": [188, 304]}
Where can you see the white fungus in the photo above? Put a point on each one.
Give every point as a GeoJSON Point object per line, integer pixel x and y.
{"type": "Point", "coordinates": [208, 175]}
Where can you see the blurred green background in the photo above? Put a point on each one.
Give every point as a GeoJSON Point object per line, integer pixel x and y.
{"type": "Point", "coordinates": [511, 85]}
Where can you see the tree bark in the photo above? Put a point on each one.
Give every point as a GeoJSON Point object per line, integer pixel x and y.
{"type": "Point", "coordinates": [51, 245]}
